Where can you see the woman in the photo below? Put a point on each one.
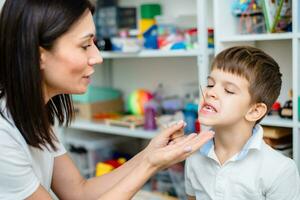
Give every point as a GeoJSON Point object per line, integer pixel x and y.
{"type": "Point", "coordinates": [46, 53]}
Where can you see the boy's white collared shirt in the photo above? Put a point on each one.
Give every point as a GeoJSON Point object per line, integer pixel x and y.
{"type": "Point", "coordinates": [256, 172]}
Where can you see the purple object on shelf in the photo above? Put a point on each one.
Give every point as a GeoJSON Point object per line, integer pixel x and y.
{"type": "Point", "coordinates": [150, 123]}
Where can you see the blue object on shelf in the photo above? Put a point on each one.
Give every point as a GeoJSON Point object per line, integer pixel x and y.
{"type": "Point", "coordinates": [150, 37]}
{"type": "Point", "coordinates": [190, 117]}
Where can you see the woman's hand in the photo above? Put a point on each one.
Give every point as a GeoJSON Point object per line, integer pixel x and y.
{"type": "Point", "coordinates": [163, 152]}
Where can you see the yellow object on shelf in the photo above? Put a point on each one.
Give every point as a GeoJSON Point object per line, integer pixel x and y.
{"type": "Point", "coordinates": [121, 160]}
{"type": "Point", "coordinates": [103, 168]}
{"type": "Point", "coordinates": [145, 24]}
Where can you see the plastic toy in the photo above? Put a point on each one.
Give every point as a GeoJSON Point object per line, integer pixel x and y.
{"type": "Point", "coordinates": [136, 101]}
{"type": "Point", "coordinates": [109, 165]}
{"type": "Point", "coordinates": [287, 110]}
{"type": "Point", "coordinates": [275, 108]}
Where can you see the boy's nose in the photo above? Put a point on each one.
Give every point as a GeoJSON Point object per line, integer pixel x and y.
{"type": "Point", "coordinates": [210, 93]}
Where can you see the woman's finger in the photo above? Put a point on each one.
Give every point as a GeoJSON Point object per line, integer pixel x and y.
{"type": "Point", "coordinates": [197, 142]}
{"type": "Point", "coordinates": [174, 128]}
{"type": "Point", "coordinates": [185, 138]}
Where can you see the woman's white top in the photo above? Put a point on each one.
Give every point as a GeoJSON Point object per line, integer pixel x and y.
{"type": "Point", "coordinates": [22, 167]}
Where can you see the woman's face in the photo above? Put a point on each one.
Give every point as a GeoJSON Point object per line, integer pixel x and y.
{"type": "Point", "coordinates": [68, 66]}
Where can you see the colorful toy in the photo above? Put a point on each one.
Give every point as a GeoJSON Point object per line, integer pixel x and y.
{"type": "Point", "coordinates": [109, 165]}
{"type": "Point", "coordinates": [136, 101]}
{"type": "Point", "coordinates": [287, 110]}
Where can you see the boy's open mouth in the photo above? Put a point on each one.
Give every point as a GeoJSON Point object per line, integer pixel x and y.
{"type": "Point", "coordinates": [206, 107]}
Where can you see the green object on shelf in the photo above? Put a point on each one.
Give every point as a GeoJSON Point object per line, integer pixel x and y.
{"type": "Point", "coordinates": [94, 94]}
{"type": "Point", "coordinates": [149, 11]}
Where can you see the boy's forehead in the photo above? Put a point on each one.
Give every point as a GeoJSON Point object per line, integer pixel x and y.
{"type": "Point", "coordinates": [224, 76]}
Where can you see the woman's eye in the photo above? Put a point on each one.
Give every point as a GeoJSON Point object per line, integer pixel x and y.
{"type": "Point", "coordinates": [210, 86]}
{"type": "Point", "coordinates": [86, 46]}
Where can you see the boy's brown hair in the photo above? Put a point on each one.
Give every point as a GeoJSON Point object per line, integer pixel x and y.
{"type": "Point", "coordinates": [260, 69]}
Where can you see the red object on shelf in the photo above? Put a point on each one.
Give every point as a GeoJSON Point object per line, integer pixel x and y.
{"type": "Point", "coordinates": [113, 163]}
{"type": "Point", "coordinates": [276, 106]}
{"type": "Point", "coordinates": [197, 126]}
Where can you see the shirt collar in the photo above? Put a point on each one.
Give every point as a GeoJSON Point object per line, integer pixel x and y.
{"type": "Point", "coordinates": [254, 142]}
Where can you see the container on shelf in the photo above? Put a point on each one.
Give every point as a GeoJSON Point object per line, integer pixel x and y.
{"type": "Point", "coordinates": [87, 150]}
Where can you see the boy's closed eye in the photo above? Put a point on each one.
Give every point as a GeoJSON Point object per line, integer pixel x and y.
{"type": "Point", "coordinates": [229, 91]}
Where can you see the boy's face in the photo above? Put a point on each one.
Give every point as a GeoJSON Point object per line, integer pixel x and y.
{"type": "Point", "coordinates": [227, 99]}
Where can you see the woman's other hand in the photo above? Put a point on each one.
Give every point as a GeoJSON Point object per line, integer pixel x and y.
{"type": "Point", "coordinates": [163, 152]}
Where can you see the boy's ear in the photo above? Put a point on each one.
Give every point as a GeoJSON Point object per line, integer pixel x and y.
{"type": "Point", "coordinates": [256, 112]}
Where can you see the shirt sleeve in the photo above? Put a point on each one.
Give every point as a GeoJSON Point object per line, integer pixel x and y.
{"type": "Point", "coordinates": [287, 183]}
{"type": "Point", "coordinates": [18, 180]}
{"type": "Point", "coordinates": [188, 184]}
{"type": "Point", "coordinates": [60, 149]}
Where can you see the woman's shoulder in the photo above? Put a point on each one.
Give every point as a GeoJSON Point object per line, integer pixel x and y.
{"type": "Point", "coordinates": [10, 137]}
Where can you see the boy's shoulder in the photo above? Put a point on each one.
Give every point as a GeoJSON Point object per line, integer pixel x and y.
{"type": "Point", "coordinates": [274, 159]}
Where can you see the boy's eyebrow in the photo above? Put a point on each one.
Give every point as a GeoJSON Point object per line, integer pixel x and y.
{"type": "Point", "coordinates": [209, 77]}
{"type": "Point", "coordinates": [231, 84]}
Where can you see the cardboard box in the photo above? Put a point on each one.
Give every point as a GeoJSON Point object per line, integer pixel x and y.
{"type": "Point", "coordinates": [88, 110]}
{"type": "Point", "coordinates": [276, 132]}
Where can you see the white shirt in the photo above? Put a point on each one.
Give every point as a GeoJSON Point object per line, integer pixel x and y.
{"type": "Point", "coordinates": [257, 172]}
{"type": "Point", "coordinates": [22, 167]}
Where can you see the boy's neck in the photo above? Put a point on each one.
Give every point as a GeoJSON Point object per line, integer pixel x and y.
{"type": "Point", "coordinates": [230, 140]}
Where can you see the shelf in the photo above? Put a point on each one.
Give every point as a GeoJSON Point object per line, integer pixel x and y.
{"type": "Point", "coordinates": [257, 37]}
{"type": "Point", "coordinates": [277, 121]}
{"type": "Point", "coordinates": [154, 53]}
{"type": "Point", "coordinates": [98, 127]}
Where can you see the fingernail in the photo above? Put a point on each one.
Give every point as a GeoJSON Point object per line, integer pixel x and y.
{"type": "Point", "coordinates": [180, 122]}
{"type": "Point", "coordinates": [187, 149]}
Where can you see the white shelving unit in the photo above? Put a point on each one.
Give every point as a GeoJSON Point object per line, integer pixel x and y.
{"type": "Point", "coordinates": [284, 47]}
{"type": "Point", "coordinates": [153, 54]}
{"type": "Point", "coordinates": [102, 128]}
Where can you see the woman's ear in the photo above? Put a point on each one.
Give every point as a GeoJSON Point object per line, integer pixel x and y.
{"type": "Point", "coordinates": [256, 112]}
{"type": "Point", "coordinates": [42, 57]}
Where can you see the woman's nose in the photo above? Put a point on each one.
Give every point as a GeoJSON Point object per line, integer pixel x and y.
{"type": "Point", "coordinates": [96, 57]}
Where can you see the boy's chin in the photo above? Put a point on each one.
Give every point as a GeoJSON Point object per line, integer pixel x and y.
{"type": "Point", "coordinates": [206, 121]}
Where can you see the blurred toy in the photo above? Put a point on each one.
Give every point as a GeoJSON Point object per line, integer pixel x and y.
{"type": "Point", "coordinates": [250, 14]}
{"type": "Point", "coordinates": [190, 117]}
{"type": "Point", "coordinates": [109, 165]}
{"type": "Point", "coordinates": [275, 108]}
{"type": "Point", "coordinates": [287, 110]}
{"type": "Point", "coordinates": [137, 100]}
{"type": "Point", "coordinates": [129, 121]}
{"type": "Point", "coordinates": [150, 115]}
{"type": "Point", "coordinates": [148, 26]}
{"type": "Point", "coordinates": [170, 105]}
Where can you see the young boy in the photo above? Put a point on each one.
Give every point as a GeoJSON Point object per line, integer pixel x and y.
{"type": "Point", "coordinates": [237, 164]}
